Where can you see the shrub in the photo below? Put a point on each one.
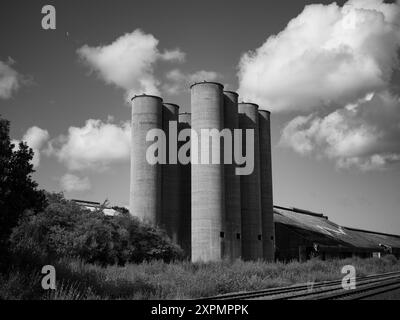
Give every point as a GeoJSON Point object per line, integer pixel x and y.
{"type": "Point", "coordinates": [390, 258]}
{"type": "Point", "coordinates": [65, 229]}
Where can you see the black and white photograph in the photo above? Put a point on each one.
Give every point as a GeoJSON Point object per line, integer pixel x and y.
{"type": "Point", "coordinates": [199, 158]}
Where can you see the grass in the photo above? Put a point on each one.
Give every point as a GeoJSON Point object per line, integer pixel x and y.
{"type": "Point", "coordinates": [178, 280]}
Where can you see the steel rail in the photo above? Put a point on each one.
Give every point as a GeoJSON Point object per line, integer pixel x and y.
{"type": "Point", "coordinates": [336, 292]}
{"type": "Point", "coordinates": [295, 291]}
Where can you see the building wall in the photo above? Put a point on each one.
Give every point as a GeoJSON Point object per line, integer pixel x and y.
{"type": "Point", "coordinates": [185, 192]}
{"type": "Point", "coordinates": [208, 195]}
{"type": "Point", "coordinates": [233, 216]}
{"type": "Point", "coordinates": [145, 189]}
{"type": "Point", "coordinates": [250, 186]}
{"type": "Point", "coordinates": [267, 211]}
{"type": "Point", "coordinates": [171, 213]}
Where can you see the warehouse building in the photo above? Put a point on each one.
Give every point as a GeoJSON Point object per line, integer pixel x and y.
{"type": "Point", "coordinates": [301, 234]}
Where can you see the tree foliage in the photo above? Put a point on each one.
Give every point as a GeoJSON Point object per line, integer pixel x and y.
{"type": "Point", "coordinates": [18, 192]}
{"type": "Point", "coordinates": [65, 229]}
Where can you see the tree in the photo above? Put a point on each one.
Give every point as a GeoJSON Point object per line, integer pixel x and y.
{"type": "Point", "coordinates": [64, 230]}
{"type": "Point", "coordinates": [18, 192]}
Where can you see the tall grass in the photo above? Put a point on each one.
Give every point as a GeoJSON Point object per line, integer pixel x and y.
{"type": "Point", "coordinates": [178, 280]}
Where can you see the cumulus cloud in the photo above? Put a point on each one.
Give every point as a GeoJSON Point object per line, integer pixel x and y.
{"type": "Point", "coordinates": [10, 80]}
{"type": "Point", "coordinates": [333, 66]}
{"type": "Point", "coordinates": [94, 146]}
{"type": "Point", "coordinates": [173, 55]}
{"type": "Point", "coordinates": [365, 134]}
{"type": "Point", "coordinates": [73, 183]}
{"type": "Point", "coordinates": [179, 81]}
{"type": "Point", "coordinates": [35, 138]}
{"type": "Point", "coordinates": [326, 55]}
{"type": "Point", "coordinates": [128, 62]}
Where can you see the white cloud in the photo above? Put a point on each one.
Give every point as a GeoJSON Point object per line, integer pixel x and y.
{"type": "Point", "coordinates": [337, 63]}
{"type": "Point", "coordinates": [128, 62]}
{"type": "Point", "coordinates": [35, 138]}
{"type": "Point", "coordinates": [73, 183]}
{"type": "Point", "coordinates": [173, 55]}
{"type": "Point", "coordinates": [10, 80]}
{"type": "Point", "coordinates": [179, 81]}
{"type": "Point", "coordinates": [365, 134]}
{"type": "Point", "coordinates": [95, 145]}
{"type": "Point", "coordinates": [326, 55]}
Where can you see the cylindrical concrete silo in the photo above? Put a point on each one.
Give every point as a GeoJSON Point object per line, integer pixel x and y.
{"type": "Point", "coordinates": [250, 188]}
{"type": "Point", "coordinates": [145, 190]}
{"type": "Point", "coordinates": [267, 213]}
{"type": "Point", "coordinates": [207, 179]}
{"type": "Point", "coordinates": [185, 192]}
{"type": "Point", "coordinates": [233, 221]}
{"type": "Point", "coordinates": [170, 213]}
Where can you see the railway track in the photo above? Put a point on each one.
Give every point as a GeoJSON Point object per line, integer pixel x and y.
{"type": "Point", "coordinates": [365, 287]}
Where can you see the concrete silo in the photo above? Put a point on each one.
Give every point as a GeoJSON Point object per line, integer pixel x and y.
{"type": "Point", "coordinates": [145, 189]}
{"type": "Point", "coordinates": [170, 213]}
{"type": "Point", "coordinates": [250, 188]}
{"type": "Point", "coordinates": [233, 223]}
{"type": "Point", "coordinates": [267, 213]}
{"type": "Point", "coordinates": [207, 179]}
{"type": "Point", "coordinates": [185, 191]}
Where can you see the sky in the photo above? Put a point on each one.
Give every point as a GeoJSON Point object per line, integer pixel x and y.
{"type": "Point", "coordinates": [328, 72]}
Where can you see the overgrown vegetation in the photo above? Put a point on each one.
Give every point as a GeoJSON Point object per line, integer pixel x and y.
{"type": "Point", "coordinates": [66, 230]}
{"type": "Point", "coordinates": [18, 191]}
{"type": "Point", "coordinates": [177, 280]}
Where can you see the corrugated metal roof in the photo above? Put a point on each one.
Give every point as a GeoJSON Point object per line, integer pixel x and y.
{"type": "Point", "coordinates": [342, 236]}
{"type": "Point", "coordinates": [378, 238]}
{"type": "Point", "coordinates": [92, 206]}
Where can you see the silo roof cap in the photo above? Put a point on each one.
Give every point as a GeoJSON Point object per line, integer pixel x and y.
{"type": "Point", "coordinates": [251, 103]}
{"type": "Point", "coordinates": [171, 104]}
{"type": "Point", "coordinates": [205, 82]}
{"type": "Point", "coordinates": [234, 92]}
{"type": "Point", "coordinates": [146, 95]}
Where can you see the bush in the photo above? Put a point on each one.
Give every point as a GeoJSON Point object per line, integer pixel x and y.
{"type": "Point", "coordinates": [65, 229]}
{"type": "Point", "coordinates": [390, 258]}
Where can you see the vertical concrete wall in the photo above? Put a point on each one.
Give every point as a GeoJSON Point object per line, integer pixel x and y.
{"type": "Point", "coordinates": [145, 190]}
{"type": "Point", "coordinates": [185, 193]}
{"type": "Point", "coordinates": [267, 213]}
{"type": "Point", "coordinates": [250, 189]}
{"type": "Point", "coordinates": [233, 223]}
{"type": "Point", "coordinates": [170, 213]}
{"type": "Point", "coordinates": [207, 179]}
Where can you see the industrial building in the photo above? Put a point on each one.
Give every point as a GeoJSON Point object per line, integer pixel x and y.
{"type": "Point", "coordinates": [212, 212]}
{"type": "Point", "coordinates": [301, 234]}
{"type": "Point", "coordinates": [209, 210]}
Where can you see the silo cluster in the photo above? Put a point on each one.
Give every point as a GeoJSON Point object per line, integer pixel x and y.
{"type": "Point", "coordinates": [204, 205]}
